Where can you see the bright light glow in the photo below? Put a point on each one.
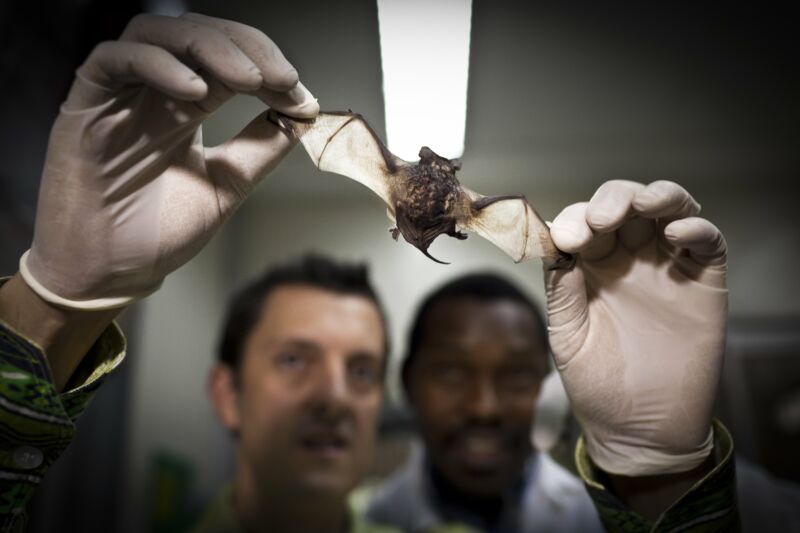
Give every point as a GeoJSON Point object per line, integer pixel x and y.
{"type": "Point", "coordinates": [425, 55]}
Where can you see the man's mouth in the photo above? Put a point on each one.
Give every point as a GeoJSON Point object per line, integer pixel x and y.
{"type": "Point", "coordinates": [482, 445]}
{"type": "Point", "coordinates": [324, 443]}
{"type": "Point", "coordinates": [480, 449]}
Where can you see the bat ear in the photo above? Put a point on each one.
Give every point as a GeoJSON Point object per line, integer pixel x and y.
{"type": "Point", "coordinates": [426, 154]}
{"type": "Point", "coordinates": [456, 163]}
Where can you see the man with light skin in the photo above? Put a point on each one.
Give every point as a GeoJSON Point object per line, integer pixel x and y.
{"type": "Point", "coordinates": [129, 194]}
{"type": "Point", "coordinates": [299, 384]}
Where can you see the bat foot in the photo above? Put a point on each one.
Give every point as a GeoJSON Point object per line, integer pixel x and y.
{"type": "Point", "coordinates": [274, 117]}
{"type": "Point", "coordinates": [395, 232]}
{"type": "Point", "coordinates": [460, 235]}
{"type": "Point", "coordinates": [564, 261]}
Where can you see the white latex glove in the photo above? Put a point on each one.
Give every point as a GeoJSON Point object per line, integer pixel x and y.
{"type": "Point", "coordinates": [129, 193]}
{"type": "Point", "coordinates": [638, 327]}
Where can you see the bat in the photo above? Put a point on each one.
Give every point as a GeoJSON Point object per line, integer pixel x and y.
{"type": "Point", "coordinates": [424, 199]}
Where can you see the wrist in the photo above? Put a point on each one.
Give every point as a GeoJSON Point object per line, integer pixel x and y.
{"type": "Point", "coordinates": [92, 304]}
{"type": "Point", "coordinates": [632, 458]}
{"type": "Point", "coordinates": [64, 335]}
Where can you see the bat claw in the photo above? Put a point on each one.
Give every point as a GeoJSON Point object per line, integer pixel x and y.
{"type": "Point", "coordinates": [429, 256]}
{"type": "Point", "coordinates": [274, 117]}
{"type": "Point", "coordinates": [395, 231]}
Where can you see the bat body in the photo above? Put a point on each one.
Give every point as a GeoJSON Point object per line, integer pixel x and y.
{"type": "Point", "coordinates": [424, 199]}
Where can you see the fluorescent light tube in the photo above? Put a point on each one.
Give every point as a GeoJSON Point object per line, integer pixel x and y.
{"type": "Point", "coordinates": [425, 58]}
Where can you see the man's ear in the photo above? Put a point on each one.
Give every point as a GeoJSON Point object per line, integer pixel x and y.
{"type": "Point", "coordinates": [222, 389]}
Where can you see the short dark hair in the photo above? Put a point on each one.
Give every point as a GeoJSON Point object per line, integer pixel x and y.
{"type": "Point", "coordinates": [244, 308]}
{"type": "Point", "coordinates": [483, 286]}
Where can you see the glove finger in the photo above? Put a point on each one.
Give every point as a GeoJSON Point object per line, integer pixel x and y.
{"type": "Point", "coordinates": [571, 233]}
{"type": "Point", "coordinates": [610, 206]}
{"type": "Point", "coordinates": [601, 246]}
{"type": "Point", "coordinates": [239, 164]}
{"type": "Point", "coordinates": [218, 94]}
{"type": "Point", "coordinates": [199, 45]}
{"type": "Point", "coordinates": [665, 199]}
{"type": "Point", "coordinates": [296, 102]}
{"type": "Point", "coordinates": [569, 230]}
{"type": "Point", "coordinates": [115, 63]}
{"type": "Point", "coordinates": [277, 72]}
{"type": "Point", "coordinates": [702, 239]}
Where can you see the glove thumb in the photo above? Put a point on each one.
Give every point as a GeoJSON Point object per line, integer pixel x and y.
{"type": "Point", "coordinates": [567, 309]}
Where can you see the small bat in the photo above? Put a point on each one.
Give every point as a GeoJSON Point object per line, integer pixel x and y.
{"type": "Point", "coordinates": [424, 199]}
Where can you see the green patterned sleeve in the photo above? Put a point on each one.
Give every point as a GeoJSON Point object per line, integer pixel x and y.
{"type": "Point", "coordinates": [36, 422]}
{"type": "Point", "coordinates": [709, 505]}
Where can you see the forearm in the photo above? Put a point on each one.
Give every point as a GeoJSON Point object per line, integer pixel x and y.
{"type": "Point", "coordinates": [64, 335]}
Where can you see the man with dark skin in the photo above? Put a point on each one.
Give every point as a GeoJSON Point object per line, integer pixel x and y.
{"type": "Point", "coordinates": [477, 355]}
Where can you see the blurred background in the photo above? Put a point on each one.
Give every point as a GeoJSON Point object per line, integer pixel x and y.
{"type": "Point", "coordinates": [561, 97]}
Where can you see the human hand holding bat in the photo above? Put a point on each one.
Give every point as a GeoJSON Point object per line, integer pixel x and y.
{"type": "Point", "coordinates": [424, 199]}
{"type": "Point", "coordinates": [637, 328]}
{"type": "Point", "coordinates": [129, 192]}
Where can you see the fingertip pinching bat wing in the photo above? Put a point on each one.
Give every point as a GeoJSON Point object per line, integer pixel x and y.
{"type": "Point", "coordinates": [343, 143]}
{"type": "Point", "coordinates": [513, 225]}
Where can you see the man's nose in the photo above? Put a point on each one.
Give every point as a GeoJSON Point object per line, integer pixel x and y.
{"type": "Point", "coordinates": [331, 393]}
{"type": "Point", "coordinates": [483, 402]}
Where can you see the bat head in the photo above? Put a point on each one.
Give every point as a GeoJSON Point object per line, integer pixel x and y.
{"type": "Point", "coordinates": [430, 158]}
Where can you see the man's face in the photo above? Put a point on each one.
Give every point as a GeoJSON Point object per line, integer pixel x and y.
{"type": "Point", "coordinates": [309, 391]}
{"type": "Point", "coordinates": [474, 386]}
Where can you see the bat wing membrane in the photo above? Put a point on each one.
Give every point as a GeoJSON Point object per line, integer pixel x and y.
{"type": "Point", "coordinates": [512, 225]}
{"type": "Point", "coordinates": [345, 144]}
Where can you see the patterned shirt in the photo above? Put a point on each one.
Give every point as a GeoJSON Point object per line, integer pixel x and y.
{"type": "Point", "coordinates": [709, 505]}
{"type": "Point", "coordinates": [36, 422]}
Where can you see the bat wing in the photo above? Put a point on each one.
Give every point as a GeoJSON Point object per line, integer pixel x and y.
{"type": "Point", "coordinates": [345, 144]}
{"type": "Point", "coordinates": [514, 226]}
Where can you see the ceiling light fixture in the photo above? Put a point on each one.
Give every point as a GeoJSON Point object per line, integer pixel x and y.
{"type": "Point", "coordinates": [425, 59]}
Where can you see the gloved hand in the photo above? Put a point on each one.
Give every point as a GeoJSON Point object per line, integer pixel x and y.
{"type": "Point", "coordinates": [129, 193]}
{"type": "Point", "coordinates": [638, 327]}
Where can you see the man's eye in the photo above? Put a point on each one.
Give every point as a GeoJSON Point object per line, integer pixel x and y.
{"type": "Point", "coordinates": [365, 373]}
{"type": "Point", "coordinates": [451, 374]}
{"type": "Point", "coordinates": [521, 379]}
{"type": "Point", "coordinates": [290, 361]}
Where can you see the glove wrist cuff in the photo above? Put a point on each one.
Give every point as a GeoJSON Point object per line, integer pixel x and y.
{"type": "Point", "coordinates": [95, 304]}
{"type": "Point", "coordinates": [632, 460]}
